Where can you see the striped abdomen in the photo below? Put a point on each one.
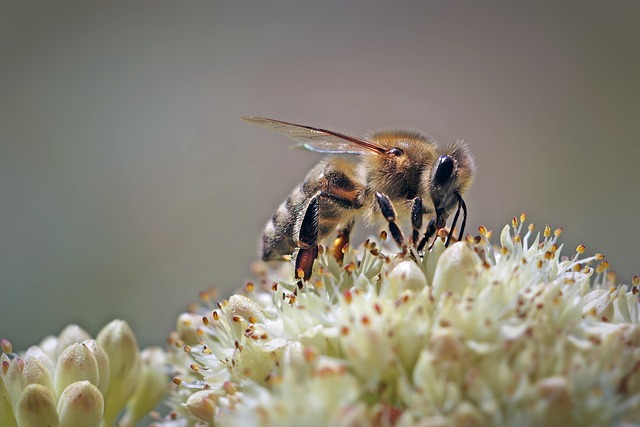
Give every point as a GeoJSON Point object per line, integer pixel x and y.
{"type": "Point", "coordinates": [333, 175]}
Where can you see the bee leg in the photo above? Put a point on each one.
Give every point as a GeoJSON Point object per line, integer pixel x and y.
{"type": "Point", "coordinates": [462, 205]}
{"type": "Point", "coordinates": [416, 219]}
{"type": "Point", "coordinates": [430, 231]}
{"type": "Point", "coordinates": [307, 241]}
{"type": "Point", "coordinates": [389, 213]}
{"type": "Point", "coordinates": [341, 241]}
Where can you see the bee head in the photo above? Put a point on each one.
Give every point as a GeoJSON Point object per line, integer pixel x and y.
{"type": "Point", "coordinates": [451, 175]}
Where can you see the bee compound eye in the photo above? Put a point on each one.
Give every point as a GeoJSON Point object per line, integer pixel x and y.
{"type": "Point", "coordinates": [444, 169]}
{"type": "Point", "coordinates": [395, 151]}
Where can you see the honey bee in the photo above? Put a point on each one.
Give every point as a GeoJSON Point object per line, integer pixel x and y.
{"type": "Point", "coordinates": [400, 174]}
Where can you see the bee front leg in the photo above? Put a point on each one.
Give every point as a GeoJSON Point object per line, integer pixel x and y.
{"type": "Point", "coordinates": [307, 242]}
{"type": "Point", "coordinates": [430, 231]}
{"type": "Point", "coordinates": [389, 213]}
{"type": "Point", "coordinates": [416, 219]}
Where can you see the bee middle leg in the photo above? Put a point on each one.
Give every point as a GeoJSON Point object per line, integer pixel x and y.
{"type": "Point", "coordinates": [389, 213]}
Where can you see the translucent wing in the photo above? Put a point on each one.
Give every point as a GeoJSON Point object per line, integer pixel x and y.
{"type": "Point", "coordinates": [320, 140]}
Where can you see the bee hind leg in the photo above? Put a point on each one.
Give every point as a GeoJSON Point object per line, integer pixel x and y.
{"type": "Point", "coordinates": [307, 242]}
{"type": "Point", "coordinates": [389, 213]}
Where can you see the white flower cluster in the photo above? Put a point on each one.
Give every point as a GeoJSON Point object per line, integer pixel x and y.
{"type": "Point", "coordinates": [72, 380]}
{"type": "Point", "coordinates": [471, 335]}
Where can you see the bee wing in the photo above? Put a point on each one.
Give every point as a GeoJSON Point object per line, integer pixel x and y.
{"type": "Point", "coordinates": [320, 140]}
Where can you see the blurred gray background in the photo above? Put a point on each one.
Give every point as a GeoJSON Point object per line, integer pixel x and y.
{"type": "Point", "coordinates": [128, 182]}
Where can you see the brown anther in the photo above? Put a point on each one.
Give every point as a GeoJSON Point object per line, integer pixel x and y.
{"type": "Point", "coordinates": [253, 319]}
{"type": "Point", "coordinates": [557, 232]}
{"type": "Point", "coordinates": [635, 280]}
{"type": "Point", "coordinates": [547, 231]}
{"type": "Point", "coordinates": [215, 316]}
{"type": "Point", "coordinates": [177, 381]}
{"type": "Point", "coordinates": [300, 274]}
{"type": "Point", "coordinates": [348, 297]}
{"type": "Point", "coordinates": [523, 217]}
{"type": "Point", "coordinates": [580, 249]}
{"type": "Point", "coordinates": [517, 238]}
{"type": "Point", "coordinates": [383, 235]}
{"type": "Point", "coordinates": [577, 267]}
{"type": "Point", "coordinates": [375, 252]}
{"type": "Point", "coordinates": [274, 286]}
{"type": "Point", "coordinates": [236, 318]}
{"type": "Point", "coordinates": [187, 349]}
{"type": "Point", "coordinates": [548, 255]}
{"type": "Point", "coordinates": [604, 265]}
{"type": "Point", "coordinates": [350, 268]}
{"type": "Point", "coordinates": [482, 230]}
{"type": "Point", "coordinates": [514, 222]}
{"type": "Point", "coordinates": [250, 286]}
{"type": "Point", "coordinates": [194, 367]}
{"type": "Point", "coordinates": [205, 321]}
{"type": "Point", "coordinates": [477, 239]}
{"type": "Point", "coordinates": [365, 320]}
{"type": "Point", "coordinates": [309, 354]}
{"type": "Point", "coordinates": [366, 244]}
{"type": "Point", "coordinates": [237, 345]}
{"type": "Point", "coordinates": [599, 257]}
{"type": "Point", "coordinates": [229, 388]}
{"type": "Point", "coordinates": [377, 308]}
{"type": "Point", "coordinates": [344, 330]}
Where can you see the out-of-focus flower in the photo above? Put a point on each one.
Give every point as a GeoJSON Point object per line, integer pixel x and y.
{"type": "Point", "coordinates": [473, 335]}
{"type": "Point", "coordinates": [72, 380]}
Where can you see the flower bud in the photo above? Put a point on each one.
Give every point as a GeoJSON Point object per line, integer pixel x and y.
{"type": "Point", "coordinates": [121, 346]}
{"type": "Point", "coordinates": [454, 269]}
{"type": "Point", "coordinates": [80, 405]}
{"type": "Point", "coordinates": [71, 334]}
{"type": "Point", "coordinates": [103, 364]}
{"type": "Point", "coordinates": [151, 387]}
{"type": "Point", "coordinates": [44, 357]}
{"type": "Point", "coordinates": [202, 404]}
{"type": "Point", "coordinates": [35, 372]}
{"type": "Point", "coordinates": [240, 305]}
{"type": "Point", "coordinates": [6, 411]}
{"type": "Point", "coordinates": [37, 407]}
{"type": "Point", "coordinates": [76, 363]}
{"type": "Point", "coordinates": [404, 276]}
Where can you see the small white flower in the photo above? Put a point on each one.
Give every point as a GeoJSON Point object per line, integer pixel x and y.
{"type": "Point", "coordinates": [468, 335]}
